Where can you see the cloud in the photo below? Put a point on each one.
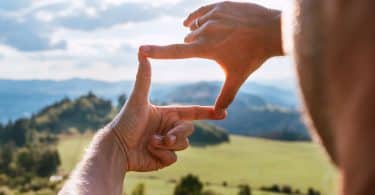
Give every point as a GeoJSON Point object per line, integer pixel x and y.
{"type": "Point", "coordinates": [11, 5]}
{"type": "Point", "coordinates": [95, 18]}
{"type": "Point", "coordinates": [128, 12]}
{"type": "Point", "coordinates": [27, 35]}
{"type": "Point", "coordinates": [31, 29]}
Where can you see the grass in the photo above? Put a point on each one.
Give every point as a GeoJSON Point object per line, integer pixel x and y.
{"type": "Point", "coordinates": [256, 162]}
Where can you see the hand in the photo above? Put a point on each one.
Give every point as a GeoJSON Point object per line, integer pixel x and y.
{"type": "Point", "coordinates": [238, 36]}
{"type": "Point", "coordinates": [150, 134]}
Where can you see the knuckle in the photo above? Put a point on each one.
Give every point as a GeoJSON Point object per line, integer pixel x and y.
{"type": "Point", "coordinates": [215, 13]}
{"type": "Point", "coordinates": [225, 3]}
{"type": "Point", "coordinates": [201, 9]}
{"type": "Point", "coordinates": [209, 25]}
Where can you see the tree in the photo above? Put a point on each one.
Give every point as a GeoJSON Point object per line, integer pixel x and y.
{"type": "Point", "coordinates": [6, 157]}
{"type": "Point", "coordinates": [139, 189]}
{"type": "Point", "coordinates": [121, 101]}
{"type": "Point", "coordinates": [189, 185]}
{"type": "Point", "coordinates": [25, 160]}
{"type": "Point", "coordinates": [48, 163]}
{"type": "Point", "coordinates": [244, 190]}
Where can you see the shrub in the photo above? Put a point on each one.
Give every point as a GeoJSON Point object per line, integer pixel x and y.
{"type": "Point", "coordinates": [189, 185]}
{"type": "Point", "coordinates": [244, 190]}
{"type": "Point", "coordinates": [210, 192]}
{"type": "Point", "coordinates": [139, 189]}
{"type": "Point", "coordinates": [286, 189]}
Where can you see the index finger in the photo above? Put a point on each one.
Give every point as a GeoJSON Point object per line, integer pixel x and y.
{"type": "Point", "coordinates": [174, 51]}
{"type": "Point", "coordinates": [227, 93]}
{"type": "Point", "coordinates": [196, 112]}
{"type": "Point", "coordinates": [198, 13]}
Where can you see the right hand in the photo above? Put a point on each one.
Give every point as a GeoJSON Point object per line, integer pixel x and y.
{"type": "Point", "coordinates": [149, 135]}
{"type": "Point", "coordinates": [238, 36]}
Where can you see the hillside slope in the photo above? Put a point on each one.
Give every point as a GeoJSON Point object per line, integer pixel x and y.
{"type": "Point", "coordinates": [247, 115]}
{"type": "Point", "coordinates": [253, 161]}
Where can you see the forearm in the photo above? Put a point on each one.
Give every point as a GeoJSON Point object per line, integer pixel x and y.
{"type": "Point", "coordinates": [102, 170]}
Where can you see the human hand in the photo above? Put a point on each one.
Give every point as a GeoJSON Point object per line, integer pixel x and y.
{"type": "Point", "coordinates": [238, 36]}
{"type": "Point", "coordinates": [150, 134]}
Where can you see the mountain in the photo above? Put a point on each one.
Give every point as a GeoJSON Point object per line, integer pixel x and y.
{"type": "Point", "coordinates": [247, 115]}
{"type": "Point", "coordinates": [258, 110]}
{"type": "Point", "coordinates": [205, 93]}
{"type": "Point", "coordinates": [22, 98]}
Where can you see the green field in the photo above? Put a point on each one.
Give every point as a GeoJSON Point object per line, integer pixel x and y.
{"type": "Point", "coordinates": [256, 162]}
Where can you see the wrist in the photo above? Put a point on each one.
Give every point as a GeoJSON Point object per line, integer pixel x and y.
{"type": "Point", "coordinates": [116, 150]}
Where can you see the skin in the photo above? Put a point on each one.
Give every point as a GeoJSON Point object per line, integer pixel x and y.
{"type": "Point", "coordinates": [334, 49]}
{"type": "Point", "coordinates": [238, 36]}
{"type": "Point", "coordinates": [333, 45]}
{"type": "Point", "coordinates": [142, 137]}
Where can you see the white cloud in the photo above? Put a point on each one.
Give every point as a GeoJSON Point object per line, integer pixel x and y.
{"type": "Point", "coordinates": [104, 42]}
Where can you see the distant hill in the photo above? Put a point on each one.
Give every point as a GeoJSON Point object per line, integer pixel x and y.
{"type": "Point", "coordinates": [205, 93]}
{"type": "Point", "coordinates": [258, 110]}
{"type": "Point", "coordinates": [248, 114]}
{"type": "Point", "coordinates": [22, 98]}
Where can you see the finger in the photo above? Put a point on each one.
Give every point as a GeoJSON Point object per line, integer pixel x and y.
{"type": "Point", "coordinates": [182, 130]}
{"type": "Point", "coordinates": [175, 138]}
{"type": "Point", "coordinates": [175, 51]}
{"type": "Point", "coordinates": [195, 112]}
{"type": "Point", "coordinates": [202, 20]}
{"type": "Point", "coordinates": [178, 146]}
{"type": "Point", "coordinates": [143, 81]}
{"type": "Point", "coordinates": [194, 35]}
{"type": "Point", "coordinates": [164, 157]}
{"type": "Point", "coordinates": [228, 93]}
{"type": "Point", "coordinates": [198, 13]}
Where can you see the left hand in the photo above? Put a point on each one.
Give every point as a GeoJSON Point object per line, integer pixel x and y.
{"type": "Point", "coordinates": [238, 36]}
{"type": "Point", "coordinates": [150, 134]}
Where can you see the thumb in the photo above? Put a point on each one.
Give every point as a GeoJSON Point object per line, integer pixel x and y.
{"type": "Point", "coordinates": [143, 81]}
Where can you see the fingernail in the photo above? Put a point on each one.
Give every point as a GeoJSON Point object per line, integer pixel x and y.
{"type": "Point", "coordinates": [146, 50]}
{"type": "Point", "coordinates": [157, 140]}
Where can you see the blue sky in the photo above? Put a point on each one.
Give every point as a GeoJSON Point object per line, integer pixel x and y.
{"type": "Point", "coordinates": [98, 39]}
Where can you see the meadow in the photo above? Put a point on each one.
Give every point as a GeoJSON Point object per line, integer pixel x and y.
{"type": "Point", "coordinates": [244, 160]}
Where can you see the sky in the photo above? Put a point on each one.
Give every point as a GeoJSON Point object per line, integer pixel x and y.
{"type": "Point", "coordinates": [99, 39]}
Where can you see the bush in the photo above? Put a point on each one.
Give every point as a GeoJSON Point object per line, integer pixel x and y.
{"type": "Point", "coordinates": [286, 189]}
{"type": "Point", "coordinates": [312, 191]}
{"type": "Point", "coordinates": [3, 179]}
{"type": "Point", "coordinates": [210, 192]}
{"type": "Point", "coordinates": [244, 190]}
{"type": "Point", "coordinates": [48, 163]}
{"type": "Point", "coordinates": [139, 189]}
{"type": "Point", "coordinates": [189, 185]}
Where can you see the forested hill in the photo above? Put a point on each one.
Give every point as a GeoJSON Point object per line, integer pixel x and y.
{"type": "Point", "coordinates": [258, 110]}
{"type": "Point", "coordinates": [87, 112]}
{"type": "Point", "coordinates": [28, 154]}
